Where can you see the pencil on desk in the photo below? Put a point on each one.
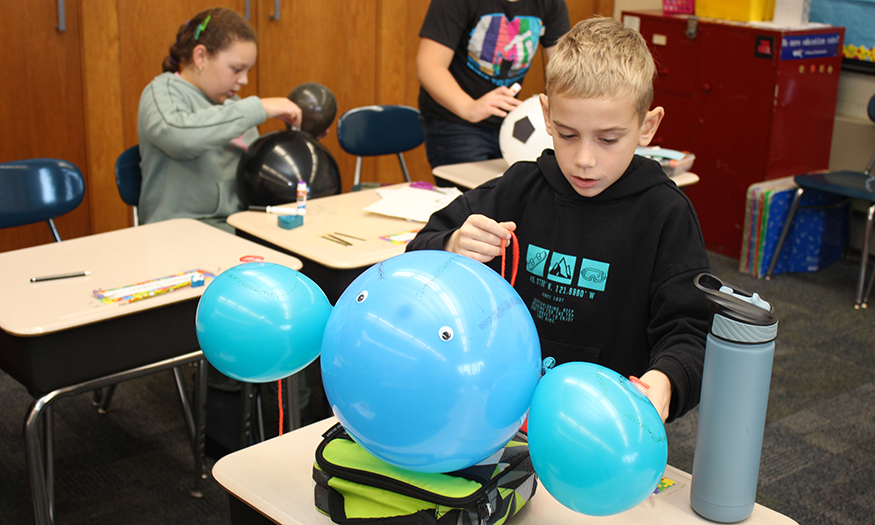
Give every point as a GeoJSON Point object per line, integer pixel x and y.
{"type": "Point", "coordinates": [60, 276]}
{"type": "Point", "coordinates": [337, 240]}
{"type": "Point", "coordinates": [348, 235]}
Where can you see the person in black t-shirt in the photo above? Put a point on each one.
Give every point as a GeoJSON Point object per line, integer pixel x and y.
{"type": "Point", "coordinates": [471, 53]}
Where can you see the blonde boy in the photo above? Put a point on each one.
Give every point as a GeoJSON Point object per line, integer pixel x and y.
{"type": "Point", "coordinates": [609, 246]}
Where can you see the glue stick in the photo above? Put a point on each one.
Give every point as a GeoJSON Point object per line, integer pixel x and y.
{"type": "Point", "coordinates": [302, 197]}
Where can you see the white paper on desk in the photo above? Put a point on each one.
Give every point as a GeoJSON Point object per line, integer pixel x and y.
{"type": "Point", "coordinates": [412, 203]}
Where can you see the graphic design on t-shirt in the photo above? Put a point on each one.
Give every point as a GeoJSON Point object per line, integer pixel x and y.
{"type": "Point", "coordinates": [593, 275]}
{"type": "Point", "coordinates": [501, 50]}
{"type": "Point", "coordinates": [561, 268]}
{"type": "Point", "coordinates": [536, 258]}
{"type": "Point", "coordinates": [554, 274]}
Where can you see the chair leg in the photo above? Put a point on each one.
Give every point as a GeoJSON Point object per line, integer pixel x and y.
{"type": "Point", "coordinates": [247, 395]}
{"type": "Point", "coordinates": [358, 171]}
{"type": "Point", "coordinates": [259, 416]}
{"type": "Point", "coordinates": [54, 230]}
{"type": "Point", "coordinates": [868, 289]}
{"type": "Point", "coordinates": [186, 406]}
{"type": "Point", "coordinates": [787, 224]}
{"type": "Point", "coordinates": [293, 400]}
{"type": "Point", "coordinates": [864, 259]}
{"type": "Point", "coordinates": [103, 398]}
{"type": "Point", "coordinates": [403, 167]}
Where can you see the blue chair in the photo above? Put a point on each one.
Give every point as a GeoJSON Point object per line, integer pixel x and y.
{"type": "Point", "coordinates": [32, 191]}
{"type": "Point", "coordinates": [128, 178]}
{"type": "Point", "coordinates": [37, 190]}
{"type": "Point", "coordinates": [379, 130]}
{"type": "Point", "coordinates": [851, 185]}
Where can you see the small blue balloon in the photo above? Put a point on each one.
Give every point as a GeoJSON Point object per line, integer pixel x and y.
{"type": "Point", "coordinates": [597, 443]}
{"type": "Point", "coordinates": [430, 360]}
{"type": "Point", "coordinates": [260, 322]}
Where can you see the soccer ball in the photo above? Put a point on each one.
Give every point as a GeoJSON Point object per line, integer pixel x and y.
{"type": "Point", "coordinates": [523, 135]}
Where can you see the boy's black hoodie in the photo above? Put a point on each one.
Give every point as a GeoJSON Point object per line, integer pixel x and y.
{"type": "Point", "coordinates": [608, 279]}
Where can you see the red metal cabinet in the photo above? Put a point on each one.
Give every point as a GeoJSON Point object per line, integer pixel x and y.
{"type": "Point", "coordinates": [751, 102]}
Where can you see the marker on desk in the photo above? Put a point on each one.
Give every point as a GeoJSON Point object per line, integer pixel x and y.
{"type": "Point", "coordinates": [276, 210]}
{"type": "Point", "coordinates": [59, 276]}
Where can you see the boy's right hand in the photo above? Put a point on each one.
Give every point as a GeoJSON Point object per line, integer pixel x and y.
{"type": "Point", "coordinates": [480, 238]}
{"type": "Point", "coordinates": [283, 109]}
{"type": "Point", "coordinates": [497, 102]}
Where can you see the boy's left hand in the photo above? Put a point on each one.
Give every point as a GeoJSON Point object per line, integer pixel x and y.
{"type": "Point", "coordinates": [659, 391]}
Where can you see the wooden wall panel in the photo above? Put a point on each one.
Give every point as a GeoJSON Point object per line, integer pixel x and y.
{"type": "Point", "coordinates": [42, 113]}
{"type": "Point", "coordinates": [103, 113]}
{"type": "Point", "coordinates": [398, 27]}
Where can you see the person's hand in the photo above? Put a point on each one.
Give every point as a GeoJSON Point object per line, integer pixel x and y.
{"type": "Point", "coordinates": [480, 238]}
{"type": "Point", "coordinates": [659, 391]}
{"type": "Point", "coordinates": [283, 109]}
{"type": "Point", "coordinates": [497, 102]}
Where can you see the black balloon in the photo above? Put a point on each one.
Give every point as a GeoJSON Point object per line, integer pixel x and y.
{"type": "Point", "coordinates": [318, 106]}
{"type": "Point", "coordinates": [270, 169]}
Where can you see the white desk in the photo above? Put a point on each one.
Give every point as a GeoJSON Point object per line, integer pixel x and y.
{"type": "Point", "coordinates": [58, 340]}
{"type": "Point", "coordinates": [332, 265]}
{"type": "Point", "coordinates": [272, 482]}
{"type": "Point", "coordinates": [472, 174]}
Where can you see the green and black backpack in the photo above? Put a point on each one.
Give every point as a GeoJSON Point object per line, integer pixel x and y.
{"type": "Point", "coordinates": [353, 486]}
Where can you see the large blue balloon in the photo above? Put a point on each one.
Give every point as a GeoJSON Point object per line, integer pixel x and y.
{"type": "Point", "coordinates": [597, 443]}
{"type": "Point", "coordinates": [259, 322]}
{"type": "Point", "coordinates": [430, 360]}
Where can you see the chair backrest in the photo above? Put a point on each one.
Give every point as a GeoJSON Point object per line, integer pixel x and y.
{"type": "Point", "coordinates": [379, 130]}
{"type": "Point", "coordinates": [37, 190]}
{"type": "Point", "coordinates": [128, 176]}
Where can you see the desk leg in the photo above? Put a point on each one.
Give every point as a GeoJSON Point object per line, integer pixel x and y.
{"type": "Point", "coordinates": [200, 424]}
{"type": "Point", "coordinates": [37, 470]}
{"type": "Point", "coordinates": [195, 420]}
{"type": "Point", "coordinates": [186, 406]}
{"type": "Point", "coordinates": [49, 451]}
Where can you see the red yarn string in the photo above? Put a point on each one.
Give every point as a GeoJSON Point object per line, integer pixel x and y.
{"type": "Point", "coordinates": [279, 388]}
{"type": "Point", "coordinates": [516, 257]}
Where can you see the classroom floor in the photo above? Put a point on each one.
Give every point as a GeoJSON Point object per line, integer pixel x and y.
{"type": "Point", "coordinates": [133, 465]}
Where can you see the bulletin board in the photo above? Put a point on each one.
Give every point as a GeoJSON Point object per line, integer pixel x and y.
{"type": "Point", "coordinates": [858, 19]}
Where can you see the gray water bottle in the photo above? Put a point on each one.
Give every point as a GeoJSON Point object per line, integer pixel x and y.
{"type": "Point", "coordinates": [732, 412]}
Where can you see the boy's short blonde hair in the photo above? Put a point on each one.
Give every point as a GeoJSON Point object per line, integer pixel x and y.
{"type": "Point", "coordinates": [600, 57]}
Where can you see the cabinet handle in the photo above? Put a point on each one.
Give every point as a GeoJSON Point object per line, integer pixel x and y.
{"type": "Point", "coordinates": [62, 18]}
{"type": "Point", "coordinates": [246, 13]}
{"type": "Point", "coordinates": [276, 10]}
